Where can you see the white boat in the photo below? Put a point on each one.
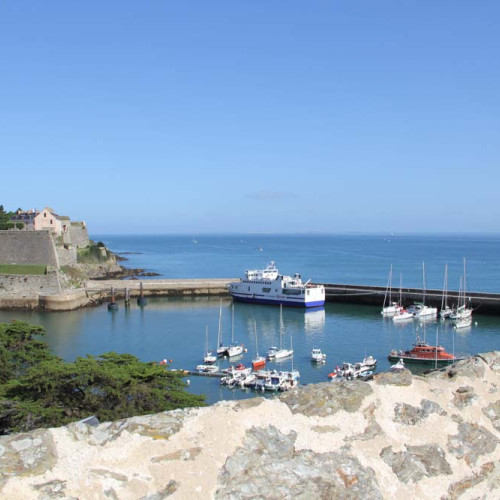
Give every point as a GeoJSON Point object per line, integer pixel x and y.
{"type": "Point", "coordinates": [207, 368]}
{"type": "Point", "coordinates": [280, 353]}
{"type": "Point", "coordinates": [446, 311]}
{"type": "Point", "coordinates": [210, 358]}
{"type": "Point", "coordinates": [402, 315]}
{"type": "Point", "coordinates": [317, 356]}
{"type": "Point", "coordinates": [267, 286]}
{"type": "Point", "coordinates": [462, 312]}
{"type": "Point", "coordinates": [463, 323]}
{"type": "Point", "coordinates": [420, 310]}
{"type": "Point", "coordinates": [393, 307]}
{"type": "Point", "coordinates": [398, 366]}
{"type": "Point", "coordinates": [234, 349]}
{"type": "Point", "coordinates": [368, 363]}
{"type": "Point", "coordinates": [221, 348]}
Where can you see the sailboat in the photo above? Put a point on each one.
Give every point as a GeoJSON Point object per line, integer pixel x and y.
{"type": "Point", "coordinates": [420, 310]}
{"type": "Point", "coordinates": [221, 348]}
{"type": "Point", "coordinates": [235, 349]}
{"type": "Point", "coordinates": [393, 307]}
{"type": "Point", "coordinates": [210, 358]}
{"type": "Point", "coordinates": [259, 361]}
{"type": "Point", "coordinates": [446, 310]}
{"type": "Point", "coordinates": [274, 352]}
{"type": "Point", "coordinates": [462, 312]}
{"type": "Point", "coordinates": [402, 314]}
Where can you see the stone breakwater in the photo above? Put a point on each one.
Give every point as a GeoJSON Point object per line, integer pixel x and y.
{"type": "Point", "coordinates": [398, 436]}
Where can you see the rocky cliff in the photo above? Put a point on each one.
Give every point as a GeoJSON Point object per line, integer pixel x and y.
{"type": "Point", "coordinates": [398, 436]}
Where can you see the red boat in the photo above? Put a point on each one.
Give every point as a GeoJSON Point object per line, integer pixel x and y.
{"type": "Point", "coordinates": [424, 353]}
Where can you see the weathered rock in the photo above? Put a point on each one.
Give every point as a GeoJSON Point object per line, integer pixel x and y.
{"type": "Point", "coordinates": [416, 462]}
{"type": "Point", "coordinates": [471, 442]}
{"type": "Point", "coordinates": [170, 489]}
{"type": "Point", "coordinates": [327, 398]}
{"type": "Point", "coordinates": [492, 411]}
{"type": "Point", "coordinates": [158, 426]}
{"type": "Point", "coordinates": [26, 454]}
{"type": "Point", "coordinates": [411, 415]}
{"type": "Point", "coordinates": [185, 454]}
{"type": "Point", "coordinates": [492, 359]}
{"type": "Point", "coordinates": [457, 489]}
{"type": "Point", "coordinates": [267, 466]}
{"type": "Point", "coordinates": [399, 377]}
{"type": "Point", "coordinates": [464, 396]}
{"type": "Point", "coordinates": [473, 367]}
{"type": "Point", "coordinates": [373, 429]}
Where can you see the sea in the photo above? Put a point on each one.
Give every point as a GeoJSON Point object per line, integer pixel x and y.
{"type": "Point", "coordinates": [176, 329]}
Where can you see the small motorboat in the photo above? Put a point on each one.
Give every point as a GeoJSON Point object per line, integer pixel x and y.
{"type": "Point", "coordinates": [207, 368]}
{"type": "Point", "coordinates": [402, 315]}
{"type": "Point", "coordinates": [317, 356]}
{"type": "Point", "coordinates": [400, 365]}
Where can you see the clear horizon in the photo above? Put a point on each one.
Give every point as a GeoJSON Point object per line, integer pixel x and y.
{"type": "Point", "coordinates": [245, 117]}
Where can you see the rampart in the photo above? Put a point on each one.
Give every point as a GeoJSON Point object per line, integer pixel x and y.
{"type": "Point", "coordinates": [78, 235]}
{"type": "Point", "coordinates": [20, 285]}
{"type": "Point", "coordinates": [28, 248]}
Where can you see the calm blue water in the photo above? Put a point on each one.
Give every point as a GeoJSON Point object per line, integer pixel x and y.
{"type": "Point", "coordinates": [175, 328]}
{"type": "Point", "coordinates": [331, 259]}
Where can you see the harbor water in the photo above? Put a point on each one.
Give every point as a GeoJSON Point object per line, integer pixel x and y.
{"type": "Point", "coordinates": [174, 328]}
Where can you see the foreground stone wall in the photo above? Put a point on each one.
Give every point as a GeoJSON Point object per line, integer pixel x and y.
{"type": "Point", "coordinates": [28, 247]}
{"type": "Point", "coordinates": [398, 436]}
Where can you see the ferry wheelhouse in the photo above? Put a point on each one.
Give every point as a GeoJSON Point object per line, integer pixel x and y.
{"type": "Point", "coordinates": [267, 286]}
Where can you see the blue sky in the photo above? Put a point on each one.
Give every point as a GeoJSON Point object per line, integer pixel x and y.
{"type": "Point", "coordinates": [253, 116]}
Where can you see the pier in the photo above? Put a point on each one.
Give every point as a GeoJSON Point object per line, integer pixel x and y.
{"type": "Point", "coordinates": [482, 303]}
{"type": "Point", "coordinates": [101, 290]}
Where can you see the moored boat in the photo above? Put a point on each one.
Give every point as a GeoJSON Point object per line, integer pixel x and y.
{"type": "Point", "coordinates": [267, 286]}
{"type": "Point", "coordinates": [317, 356]}
{"type": "Point", "coordinates": [424, 353]}
{"type": "Point", "coordinates": [400, 365]}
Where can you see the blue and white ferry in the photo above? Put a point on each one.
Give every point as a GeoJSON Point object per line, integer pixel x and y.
{"type": "Point", "coordinates": [267, 286]}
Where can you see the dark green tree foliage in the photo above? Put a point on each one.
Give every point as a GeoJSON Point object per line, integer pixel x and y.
{"type": "Point", "coordinates": [5, 218]}
{"type": "Point", "coordinates": [37, 389]}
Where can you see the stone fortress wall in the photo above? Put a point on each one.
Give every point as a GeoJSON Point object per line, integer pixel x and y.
{"type": "Point", "coordinates": [79, 236]}
{"type": "Point", "coordinates": [28, 248]}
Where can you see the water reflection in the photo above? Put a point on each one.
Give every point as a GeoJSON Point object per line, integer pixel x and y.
{"type": "Point", "coordinates": [174, 328]}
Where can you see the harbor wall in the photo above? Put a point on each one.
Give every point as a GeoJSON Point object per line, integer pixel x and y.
{"type": "Point", "coordinates": [482, 303]}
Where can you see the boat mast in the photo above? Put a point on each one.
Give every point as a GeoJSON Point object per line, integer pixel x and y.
{"type": "Point", "coordinates": [444, 300]}
{"type": "Point", "coordinates": [219, 335]}
{"type": "Point", "coordinates": [400, 292]}
{"type": "Point", "coordinates": [388, 288]}
{"type": "Point", "coordinates": [423, 280]}
{"type": "Point", "coordinates": [256, 346]}
{"type": "Point", "coordinates": [232, 323]}
{"type": "Point", "coordinates": [465, 283]}
{"type": "Point", "coordinates": [281, 325]}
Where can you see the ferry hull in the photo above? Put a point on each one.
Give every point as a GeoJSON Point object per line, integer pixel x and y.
{"type": "Point", "coordinates": [277, 302]}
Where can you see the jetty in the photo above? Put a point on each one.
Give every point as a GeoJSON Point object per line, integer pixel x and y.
{"type": "Point", "coordinates": [481, 302]}
{"type": "Point", "coordinates": [98, 291]}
